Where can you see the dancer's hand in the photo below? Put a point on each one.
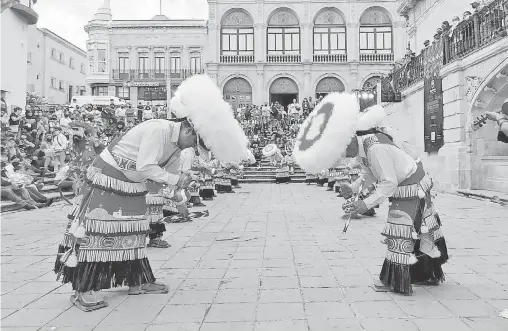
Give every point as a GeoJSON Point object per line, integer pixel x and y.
{"type": "Point", "coordinates": [356, 207]}
{"type": "Point", "coordinates": [346, 191]}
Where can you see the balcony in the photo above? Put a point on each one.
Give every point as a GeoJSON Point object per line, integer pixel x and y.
{"type": "Point", "coordinates": [376, 58]}
{"type": "Point", "coordinates": [236, 59]}
{"type": "Point", "coordinates": [482, 29]}
{"type": "Point", "coordinates": [152, 75]}
{"type": "Point", "coordinates": [330, 58]}
{"type": "Point", "coordinates": [286, 58]}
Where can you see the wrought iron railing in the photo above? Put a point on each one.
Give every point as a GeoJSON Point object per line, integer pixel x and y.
{"type": "Point", "coordinates": [330, 58]}
{"type": "Point", "coordinates": [483, 28]}
{"type": "Point", "coordinates": [152, 74]}
{"type": "Point", "coordinates": [235, 59]}
{"type": "Point", "coordinates": [286, 58]}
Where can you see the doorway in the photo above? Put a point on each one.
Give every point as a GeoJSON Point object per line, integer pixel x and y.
{"type": "Point", "coordinates": [284, 99]}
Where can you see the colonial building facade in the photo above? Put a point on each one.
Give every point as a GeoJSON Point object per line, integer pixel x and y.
{"type": "Point", "coordinates": [472, 71]}
{"type": "Point", "coordinates": [16, 17]}
{"type": "Point", "coordinates": [56, 68]}
{"type": "Point", "coordinates": [257, 51]}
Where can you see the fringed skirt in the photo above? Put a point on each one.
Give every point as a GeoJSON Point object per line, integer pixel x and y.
{"type": "Point", "coordinates": [282, 174]}
{"type": "Point", "coordinates": [224, 185]}
{"type": "Point", "coordinates": [112, 211]}
{"type": "Point", "coordinates": [341, 177]}
{"type": "Point", "coordinates": [206, 190]}
{"type": "Point", "coordinates": [416, 248]}
{"type": "Point", "coordinates": [310, 178]}
{"type": "Point", "coordinates": [194, 193]}
{"type": "Point", "coordinates": [169, 208]}
{"type": "Point", "coordinates": [155, 204]}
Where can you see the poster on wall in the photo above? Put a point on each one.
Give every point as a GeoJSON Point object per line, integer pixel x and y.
{"type": "Point", "coordinates": [433, 114]}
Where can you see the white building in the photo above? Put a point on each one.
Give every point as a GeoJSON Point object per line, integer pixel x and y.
{"type": "Point", "coordinates": [16, 17]}
{"type": "Point", "coordinates": [257, 51]}
{"type": "Point", "coordinates": [56, 67]}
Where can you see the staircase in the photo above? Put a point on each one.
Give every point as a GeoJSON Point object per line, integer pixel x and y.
{"type": "Point", "coordinates": [266, 174]}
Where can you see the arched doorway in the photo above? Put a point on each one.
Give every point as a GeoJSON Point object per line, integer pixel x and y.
{"type": "Point", "coordinates": [283, 90]}
{"type": "Point", "coordinates": [328, 85]}
{"type": "Point", "coordinates": [237, 91]}
{"type": "Point", "coordinates": [369, 92]}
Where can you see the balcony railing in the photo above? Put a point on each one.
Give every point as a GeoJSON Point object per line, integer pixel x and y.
{"type": "Point", "coordinates": [286, 58]}
{"type": "Point", "coordinates": [483, 28]}
{"type": "Point", "coordinates": [237, 59]}
{"type": "Point", "coordinates": [409, 74]}
{"type": "Point", "coordinates": [376, 57]}
{"type": "Point", "coordinates": [152, 75]}
{"type": "Point", "coordinates": [330, 58]}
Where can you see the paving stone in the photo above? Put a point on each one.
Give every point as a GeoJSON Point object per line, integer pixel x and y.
{"type": "Point", "coordinates": [189, 297]}
{"type": "Point", "coordinates": [245, 295]}
{"type": "Point", "coordinates": [227, 326]}
{"type": "Point", "coordinates": [280, 311]}
{"type": "Point", "coordinates": [431, 309]}
{"type": "Point", "coordinates": [286, 295]}
{"type": "Point", "coordinates": [232, 312]}
{"type": "Point", "coordinates": [448, 324]}
{"type": "Point", "coordinates": [31, 317]}
{"type": "Point", "coordinates": [290, 248]}
{"type": "Point", "coordinates": [319, 324]}
{"type": "Point", "coordinates": [328, 310]}
{"type": "Point", "coordinates": [175, 327]}
{"type": "Point", "coordinates": [182, 314]}
{"type": "Point", "coordinates": [322, 295]}
{"type": "Point", "coordinates": [470, 308]}
{"type": "Point", "coordinates": [388, 324]}
{"type": "Point", "coordinates": [371, 309]}
{"type": "Point", "coordinates": [281, 326]}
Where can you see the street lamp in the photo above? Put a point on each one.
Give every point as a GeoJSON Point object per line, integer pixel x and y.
{"type": "Point", "coordinates": [366, 98]}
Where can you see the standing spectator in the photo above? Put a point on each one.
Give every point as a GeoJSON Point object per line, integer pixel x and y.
{"type": "Point", "coordinates": [60, 144]}
{"type": "Point", "coordinates": [147, 113]}
{"type": "Point", "coordinates": [120, 113]}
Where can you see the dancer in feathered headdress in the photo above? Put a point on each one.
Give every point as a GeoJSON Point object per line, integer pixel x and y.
{"type": "Point", "coordinates": [104, 243]}
{"type": "Point", "coordinates": [416, 248]}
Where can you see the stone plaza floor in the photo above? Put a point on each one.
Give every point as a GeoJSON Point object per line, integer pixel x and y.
{"type": "Point", "coordinates": [270, 257]}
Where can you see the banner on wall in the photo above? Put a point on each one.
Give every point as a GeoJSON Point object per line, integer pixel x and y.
{"type": "Point", "coordinates": [433, 114]}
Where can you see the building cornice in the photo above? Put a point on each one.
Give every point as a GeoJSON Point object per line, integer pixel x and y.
{"type": "Point", "coordinates": [406, 6]}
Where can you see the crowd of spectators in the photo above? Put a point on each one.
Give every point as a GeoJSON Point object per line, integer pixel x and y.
{"type": "Point", "coordinates": [274, 124]}
{"type": "Point", "coordinates": [40, 141]}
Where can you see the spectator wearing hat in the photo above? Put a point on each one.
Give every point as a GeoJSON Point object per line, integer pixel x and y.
{"type": "Point", "coordinates": [15, 119]}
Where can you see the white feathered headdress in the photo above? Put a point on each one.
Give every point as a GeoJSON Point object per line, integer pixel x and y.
{"type": "Point", "coordinates": [326, 133]}
{"type": "Point", "coordinates": [199, 100]}
{"type": "Point", "coordinates": [371, 118]}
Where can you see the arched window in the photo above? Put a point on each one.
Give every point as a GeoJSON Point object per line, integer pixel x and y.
{"type": "Point", "coordinates": [237, 37]}
{"type": "Point", "coordinates": [283, 36]}
{"type": "Point", "coordinates": [375, 32]}
{"type": "Point", "coordinates": [329, 36]}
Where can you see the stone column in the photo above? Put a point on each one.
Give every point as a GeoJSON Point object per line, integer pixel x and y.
{"type": "Point", "coordinates": [306, 44]}
{"type": "Point", "coordinates": [258, 97]}
{"type": "Point", "coordinates": [400, 40]}
{"type": "Point", "coordinates": [213, 49]}
{"type": "Point", "coordinates": [259, 42]}
{"type": "Point", "coordinates": [307, 84]}
{"type": "Point", "coordinates": [353, 39]}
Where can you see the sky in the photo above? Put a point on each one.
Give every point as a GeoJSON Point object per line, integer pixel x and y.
{"type": "Point", "coordinates": [67, 18]}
